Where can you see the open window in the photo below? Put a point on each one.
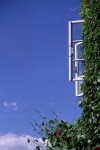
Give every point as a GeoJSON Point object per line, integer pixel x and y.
{"type": "Point", "coordinates": [75, 58]}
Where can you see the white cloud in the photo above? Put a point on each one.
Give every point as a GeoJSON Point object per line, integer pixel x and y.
{"type": "Point", "coordinates": [10, 105]}
{"type": "Point", "coordinates": [14, 142]}
{"type": "Point", "coordinates": [5, 104]}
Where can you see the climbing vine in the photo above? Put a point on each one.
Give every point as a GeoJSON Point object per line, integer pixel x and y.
{"type": "Point", "coordinates": [90, 12]}
{"type": "Point", "coordinates": [85, 133]}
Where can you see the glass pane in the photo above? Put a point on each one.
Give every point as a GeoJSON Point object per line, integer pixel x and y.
{"type": "Point", "coordinates": [79, 87]}
{"type": "Point", "coordinates": [73, 70]}
{"type": "Point", "coordinates": [80, 68]}
{"type": "Point", "coordinates": [80, 51]}
{"type": "Point", "coordinates": [76, 30]}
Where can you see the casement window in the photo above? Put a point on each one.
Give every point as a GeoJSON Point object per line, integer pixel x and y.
{"type": "Point", "coordinates": [76, 61]}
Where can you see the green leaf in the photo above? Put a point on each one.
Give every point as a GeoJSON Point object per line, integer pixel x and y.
{"type": "Point", "coordinates": [51, 122]}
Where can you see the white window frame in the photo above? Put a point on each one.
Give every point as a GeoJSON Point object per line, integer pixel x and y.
{"type": "Point", "coordinates": [76, 42]}
{"type": "Point", "coordinates": [77, 77]}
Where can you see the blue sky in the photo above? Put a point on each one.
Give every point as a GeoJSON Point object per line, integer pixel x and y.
{"type": "Point", "coordinates": [34, 62]}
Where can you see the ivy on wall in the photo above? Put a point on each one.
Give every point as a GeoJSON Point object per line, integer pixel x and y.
{"type": "Point", "coordinates": [85, 133]}
{"type": "Point", "coordinates": [90, 12]}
